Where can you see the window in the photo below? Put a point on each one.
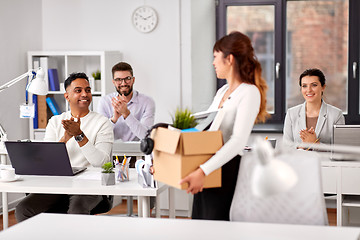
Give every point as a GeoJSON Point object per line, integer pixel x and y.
{"type": "Point", "coordinates": [257, 22]}
{"type": "Point", "coordinates": [319, 39]}
{"type": "Point", "coordinates": [291, 36]}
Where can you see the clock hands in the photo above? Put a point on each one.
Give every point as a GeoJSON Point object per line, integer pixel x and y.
{"type": "Point", "coordinates": [148, 16]}
{"type": "Point", "coordinates": [144, 18]}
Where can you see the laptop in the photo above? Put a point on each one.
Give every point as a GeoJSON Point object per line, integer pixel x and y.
{"type": "Point", "coordinates": [345, 135]}
{"type": "Point", "coordinates": [40, 158]}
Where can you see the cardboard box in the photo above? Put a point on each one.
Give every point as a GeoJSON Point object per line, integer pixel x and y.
{"type": "Point", "coordinates": [176, 154]}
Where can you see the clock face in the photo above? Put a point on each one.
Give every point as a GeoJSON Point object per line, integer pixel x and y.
{"type": "Point", "coordinates": [145, 19]}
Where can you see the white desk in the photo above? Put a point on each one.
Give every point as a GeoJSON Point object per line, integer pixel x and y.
{"type": "Point", "coordinates": [65, 226]}
{"type": "Point", "coordinates": [78, 185]}
{"type": "Point", "coordinates": [342, 178]}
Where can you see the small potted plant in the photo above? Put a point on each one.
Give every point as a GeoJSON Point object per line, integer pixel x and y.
{"type": "Point", "coordinates": [97, 80]}
{"type": "Point", "coordinates": [184, 119]}
{"type": "Point", "coordinates": [107, 174]}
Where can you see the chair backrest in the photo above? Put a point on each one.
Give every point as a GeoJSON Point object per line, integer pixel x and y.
{"type": "Point", "coordinates": [303, 204]}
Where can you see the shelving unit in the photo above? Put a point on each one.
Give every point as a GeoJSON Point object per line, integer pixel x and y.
{"type": "Point", "coordinates": [67, 62]}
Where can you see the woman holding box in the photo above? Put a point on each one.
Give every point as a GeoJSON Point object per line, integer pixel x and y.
{"type": "Point", "coordinates": [313, 120]}
{"type": "Point", "coordinates": [240, 102]}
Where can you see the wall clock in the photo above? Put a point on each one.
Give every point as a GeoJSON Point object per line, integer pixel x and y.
{"type": "Point", "coordinates": [145, 19]}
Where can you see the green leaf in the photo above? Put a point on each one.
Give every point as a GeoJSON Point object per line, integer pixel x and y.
{"type": "Point", "coordinates": [183, 119]}
{"type": "Point", "coordinates": [107, 167]}
{"type": "Point", "coordinates": [96, 75]}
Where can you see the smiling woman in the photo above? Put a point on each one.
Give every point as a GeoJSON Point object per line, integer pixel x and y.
{"type": "Point", "coordinates": [313, 120]}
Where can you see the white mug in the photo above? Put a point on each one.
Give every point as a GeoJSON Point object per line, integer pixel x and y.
{"type": "Point", "coordinates": [7, 174]}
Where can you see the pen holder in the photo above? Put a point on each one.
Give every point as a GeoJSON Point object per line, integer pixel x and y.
{"type": "Point", "coordinates": [122, 172]}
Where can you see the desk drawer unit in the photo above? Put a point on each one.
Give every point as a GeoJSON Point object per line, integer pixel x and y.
{"type": "Point", "coordinates": [329, 179]}
{"type": "Point", "coordinates": [350, 180]}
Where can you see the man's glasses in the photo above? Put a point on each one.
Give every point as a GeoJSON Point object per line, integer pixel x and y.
{"type": "Point", "coordinates": [126, 79]}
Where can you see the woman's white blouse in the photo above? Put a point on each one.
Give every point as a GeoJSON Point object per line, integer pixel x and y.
{"type": "Point", "coordinates": [239, 114]}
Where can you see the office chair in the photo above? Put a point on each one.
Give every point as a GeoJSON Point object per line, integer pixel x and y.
{"type": "Point", "coordinates": [303, 204]}
{"type": "Point", "coordinates": [104, 206]}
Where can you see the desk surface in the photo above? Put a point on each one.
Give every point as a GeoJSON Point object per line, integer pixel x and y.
{"type": "Point", "coordinates": [339, 163]}
{"type": "Point", "coordinates": [76, 185]}
{"type": "Point", "coordinates": [67, 226]}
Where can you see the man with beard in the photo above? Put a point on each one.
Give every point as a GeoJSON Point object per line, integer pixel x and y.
{"type": "Point", "coordinates": [130, 112]}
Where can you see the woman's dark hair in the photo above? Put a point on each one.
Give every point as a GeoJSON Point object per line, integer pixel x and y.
{"type": "Point", "coordinates": [313, 72]}
{"type": "Point", "coordinates": [74, 76]}
{"type": "Point", "coordinates": [249, 68]}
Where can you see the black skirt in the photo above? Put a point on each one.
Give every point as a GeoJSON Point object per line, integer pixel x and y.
{"type": "Point", "coordinates": [214, 203]}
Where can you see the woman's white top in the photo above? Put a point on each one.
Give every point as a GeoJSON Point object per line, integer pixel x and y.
{"type": "Point", "coordinates": [238, 114]}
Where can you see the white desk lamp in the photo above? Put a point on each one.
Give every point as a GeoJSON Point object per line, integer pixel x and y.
{"type": "Point", "coordinates": [270, 176]}
{"type": "Point", "coordinates": [36, 86]}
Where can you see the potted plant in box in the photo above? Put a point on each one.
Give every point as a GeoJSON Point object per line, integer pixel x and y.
{"type": "Point", "coordinates": [107, 175]}
{"type": "Point", "coordinates": [184, 119]}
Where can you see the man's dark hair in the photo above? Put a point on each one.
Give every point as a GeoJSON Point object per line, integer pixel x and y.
{"type": "Point", "coordinates": [74, 76]}
{"type": "Point", "coordinates": [313, 72]}
{"type": "Point", "coordinates": [122, 66]}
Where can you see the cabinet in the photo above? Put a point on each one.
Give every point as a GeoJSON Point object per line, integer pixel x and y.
{"type": "Point", "coordinates": [67, 62]}
{"type": "Point", "coordinates": [342, 178]}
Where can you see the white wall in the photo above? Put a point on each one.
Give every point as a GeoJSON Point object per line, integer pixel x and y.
{"type": "Point", "coordinates": [20, 29]}
{"type": "Point", "coordinates": [163, 60]}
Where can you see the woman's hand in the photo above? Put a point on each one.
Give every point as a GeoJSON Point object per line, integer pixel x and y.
{"type": "Point", "coordinates": [308, 135]}
{"type": "Point", "coordinates": [195, 180]}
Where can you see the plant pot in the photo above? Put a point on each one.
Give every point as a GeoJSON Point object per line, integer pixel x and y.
{"type": "Point", "coordinates": [97, 85]}
{"type": "Point", "coordinates": [107, 179]}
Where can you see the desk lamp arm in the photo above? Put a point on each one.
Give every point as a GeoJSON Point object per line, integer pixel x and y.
{"type": "Point", "coordinates": [15, 80]}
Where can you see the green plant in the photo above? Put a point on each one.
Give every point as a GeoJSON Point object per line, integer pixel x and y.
{"type": "Point", "coordinates": [183, 119]}
{"type": "Point", "coordinates": [107, 167]}
{"type": "Point", "coordinates": [96, 75]}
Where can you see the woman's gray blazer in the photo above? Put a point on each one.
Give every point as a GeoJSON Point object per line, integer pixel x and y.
{"type": "Point", "coordinates": [295, 121]}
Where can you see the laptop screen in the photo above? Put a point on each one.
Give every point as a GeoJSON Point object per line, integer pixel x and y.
{"type": "Point", "coordinates": [347, 135]}
{"type": "Point", "coordinates": [39, 158]}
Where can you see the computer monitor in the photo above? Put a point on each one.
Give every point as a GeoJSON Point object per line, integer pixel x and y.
{"type": "Point", "coordinates": [345, 135]}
